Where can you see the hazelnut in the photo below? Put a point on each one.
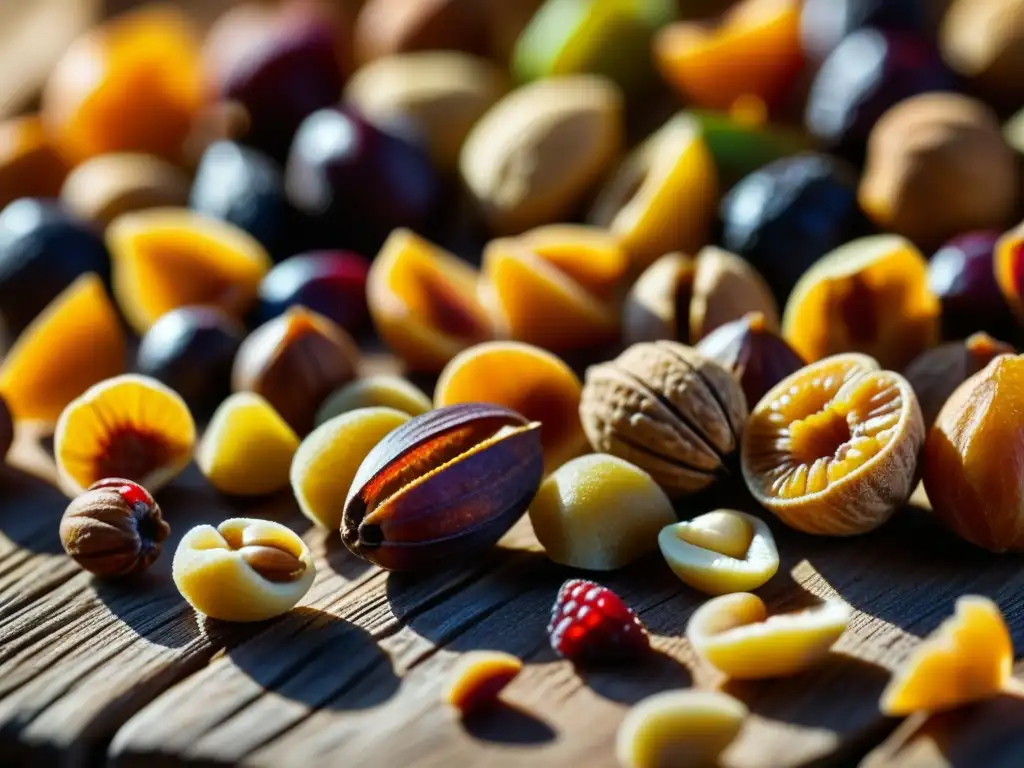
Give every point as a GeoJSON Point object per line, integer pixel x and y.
{"type": "Point", "coordinates": [937, 166]}
{"type": "Point", "coordinates": [684, 299]}
{"type": "Point", "coordinates": [981, 40]}
{"type": "Point", "coordinates": [295, 361]}
{"type": "Point", "coordinates": [936, 373]}
{"type": "Point", "coordinates": [668, 409]}
{"type": "Point", "coordinates": [113, 529]}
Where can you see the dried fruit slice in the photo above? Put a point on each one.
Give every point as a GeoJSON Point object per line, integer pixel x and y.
{"type": "Point", "coordinates": [129, 426]}
{"type": "Point", "coordinates": [736, 636]}
{"type": "Point", "coordinates": [543, 389]}
{"type": "Point", "coordinates": [423, 301]}
{"type": "Point", "coordinates": [165, 258]}
{"type": "Point", "coordinates": [247, 449]}
{"type": "Point", "coordinates": [833, 448]}
{"type": "Point", "coordinates": [375, 391]}
{"type": "Point", "coordinates": [76, 342]}
{"type": "Point", "coordinates": [591, 256]}
{"type": "Point", "coordinates": [870, 295]}
{"type": "Point", "coordinates": [720, 552]}
{"type": "Point", "coordinates": [479, 677]}
{"type": "Point", "coordinates": [326, 462]}
{"type": "Point", "coordinates": [968, 658]}
{"type": "Point", "coordinates": [535, 301]}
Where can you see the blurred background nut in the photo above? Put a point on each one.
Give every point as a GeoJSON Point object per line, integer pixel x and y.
{"type": "Point", "coordinates": [437, 94]}
{"type": "Point", "coordinates": [668, 409]}
{"type": "Point", "coordinates": [373, 392]}
{"type": "Point", "coordinates": [663, 196]}
{"type": "Point", "coordinates": [683, 298]}
{"type": "Point", "coordinates": [385, 27]}
{"type": "Point", "coordinates": [443, 485]}
{"type": "Point", "coordinates": [537, 153]}
{"type": "Point", "coordinates": [104, 187]}
{"type": "Point", "coordinates": [599, 512]}
{"type": "Point", "coordinates": [295, 361]}
{"type": "Point", "coordinates": [983, 40]}
{"type": "Point", "coordinates": [113, 529]}
{"type": "Point", "coordinates": [30, 165]}
{"type": "Point", "coordinates": [937, 166]}
{"type": "Point", "coordinates": [6, 428]}
{"type": "Point", "coordinates": [937, 372]}
{"type": "Point", "coordinates": [754, 352]}
{"type": "Point", "coordinates": [824, 24]}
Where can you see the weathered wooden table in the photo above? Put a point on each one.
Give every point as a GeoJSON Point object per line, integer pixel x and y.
{"type": "Point", "coordinates": [94, 673]}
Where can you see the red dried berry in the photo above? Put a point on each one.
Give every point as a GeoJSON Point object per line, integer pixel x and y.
{"type": "Point", "coordinates": [591, 623]}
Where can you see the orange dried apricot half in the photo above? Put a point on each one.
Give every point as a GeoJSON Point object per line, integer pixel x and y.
{"type": "Point", "coordinates": [555, 287]}
{"type": "Point", "coordinates": [968, 658]}
{"type": "Point", "coordinates": [165, 258]}
{"type": "Point", "coordinates": [526, 379]}
{"type": "Point", "coordinates": [133, 84]}
{"type": "Point", "coordinates": [74, 343]}
{"type": "Point", "coordinates": [870, 295]}
{"type": "Point", "coordinates": [972, 456]}
{"type": "Point", "coordinates": [423, 301]}
{"type": "Point", "coordinates": [129, 426]}
{"type": "Point", "coordinates": [30, 165]}
{"type": "Point", "coordinates": [832, 449]}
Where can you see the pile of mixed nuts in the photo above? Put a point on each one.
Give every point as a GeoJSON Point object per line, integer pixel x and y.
{"type": "Point", "coordinates": [646, 254]}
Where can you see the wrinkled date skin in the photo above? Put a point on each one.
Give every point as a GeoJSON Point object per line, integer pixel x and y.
{"type": "Point", "coordinates": [445, 485]}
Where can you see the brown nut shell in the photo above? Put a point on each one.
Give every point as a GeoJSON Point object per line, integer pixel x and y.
{"type": "Point", "coordinates": [445, 484]}
{"type": "Point", "coordinates": [104, 187]}
{"type": "Point", "coordinates": [682, 298]}
{"type": "Point", "coordinates": [668, 409]}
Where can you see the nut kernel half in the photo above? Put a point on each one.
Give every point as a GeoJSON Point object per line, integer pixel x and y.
{"type": "Point", "coordinates": [720, 552]}
{"type": "Point", "coordinates": [327, 460]}
{"type": "Point", "coordinates": [735, 635]}
{"type": "Point", "coordinates": [968, 658]}
{"type": "Point", "coordinates": [599, 512]}
{"type": "Point", "coordinates": [676, 728]}
{"type": "Point", "coordinates": [450, 482]}
{"type": "Point", "coordinates": [243, 570]}
{"type": "Point", "coordinates": [479, 677]}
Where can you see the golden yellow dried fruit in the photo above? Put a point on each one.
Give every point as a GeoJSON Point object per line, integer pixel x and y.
{"type": "Point", "coordinates": [479, 677]}
{"type": "Point", "coordinates": [373, 392]}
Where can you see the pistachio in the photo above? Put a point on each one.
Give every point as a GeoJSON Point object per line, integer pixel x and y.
{"type": "Point", "coordinates": [444, 484]}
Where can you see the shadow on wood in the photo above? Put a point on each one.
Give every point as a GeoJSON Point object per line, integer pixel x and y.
{"type": "Point", "coordinates": [628, 683]}
{"type": "Point", "coordinates": [507, 724]}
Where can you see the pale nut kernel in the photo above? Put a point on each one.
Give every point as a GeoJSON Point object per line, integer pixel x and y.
{"type": "Point", "coordinates": [243, 570]}
{"type": "Point", "coordinates": [968, 658]}
{"type": "Point", "coordinates": [599, 512]}
{"type": "Point", "coordinates": [734, 634]}
{"type": "Point", "coordinates": [479, 677]}
{"type": "Point", "coordinates": [678, 728]}
{"type": "Point", "coordinates": [720, 552]}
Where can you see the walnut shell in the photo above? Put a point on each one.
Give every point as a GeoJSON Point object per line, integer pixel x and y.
{"type": "Point", "coordinates": [668, 409]}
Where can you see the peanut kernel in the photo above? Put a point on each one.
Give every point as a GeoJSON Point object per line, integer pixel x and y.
{"type": "Point", "coordinates": [479, 677]}
{"type": "Point", "coordinates": [674, 728]}
{"type": "Point", "coordinates": [720, 552]}
{"type": "Point", "coordinates": [734, 634]}
{"type": "Point", "coordinates": [243, 570]}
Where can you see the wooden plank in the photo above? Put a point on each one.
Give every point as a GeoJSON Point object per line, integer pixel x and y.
{"type": "Point", "coordinates": [901, 587]}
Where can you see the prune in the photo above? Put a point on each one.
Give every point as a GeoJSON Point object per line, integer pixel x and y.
{"type": "Point", "coordinates": [42, 251]}
{"type": "Point", "coordinates": [331, 283]}
{"type": "Point", "coordinates": [824, 24]}
{"type": "Point", "coordinates": [866, 74]}
{"type": "Point", "coordinates": [786, 215]}
{"type": "Point", "coordinates": [191, 350]}
{"type": "Point", "coordinates": [245, 187]}
{"type": "Point", "coordinates": [356, 182]}
{"type": "Point", "coordinates": [280, 65]}
{"type": "Point", "coordinates": [961, 274]}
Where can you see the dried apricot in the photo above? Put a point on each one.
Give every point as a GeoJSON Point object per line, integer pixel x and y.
{"type": "Point", "coordinates": [76, 342]}
{"type": "Point", "coordinates": [543, 389]}
{"type": "Point", "coordinates": [833, 448]}
{"type": "Point", "coordinates": [870, 295]}
{"type": "Point", "coordinates": [129, 426]}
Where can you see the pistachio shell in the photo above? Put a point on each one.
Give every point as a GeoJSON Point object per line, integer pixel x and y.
{"type": "Point", "coordinates": [443, 484]}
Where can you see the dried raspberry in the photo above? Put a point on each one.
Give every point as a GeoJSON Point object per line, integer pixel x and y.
{"type": "Point", "coordinates": [591, 623]}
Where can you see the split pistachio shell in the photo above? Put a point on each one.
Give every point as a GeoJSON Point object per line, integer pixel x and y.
{"type": "Point", "coordinates": [327, 460]}
{"type": "Point", "coordinates": [599, 512]}
{"type": "Point", "coordinates": [375, 391]}
{"type": "Point", "coordinates": [679, 728]}
{"type": "Point", "coordinates": [247, 448]}
{"type": "Point", "coordinates": [720, 552]}
{"type": "Point", "coordinates": [734, 634]}
{"type": "Point", "coordinates": [448, 483]}
{"type": "Point", "coordinates": [243, 570]}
